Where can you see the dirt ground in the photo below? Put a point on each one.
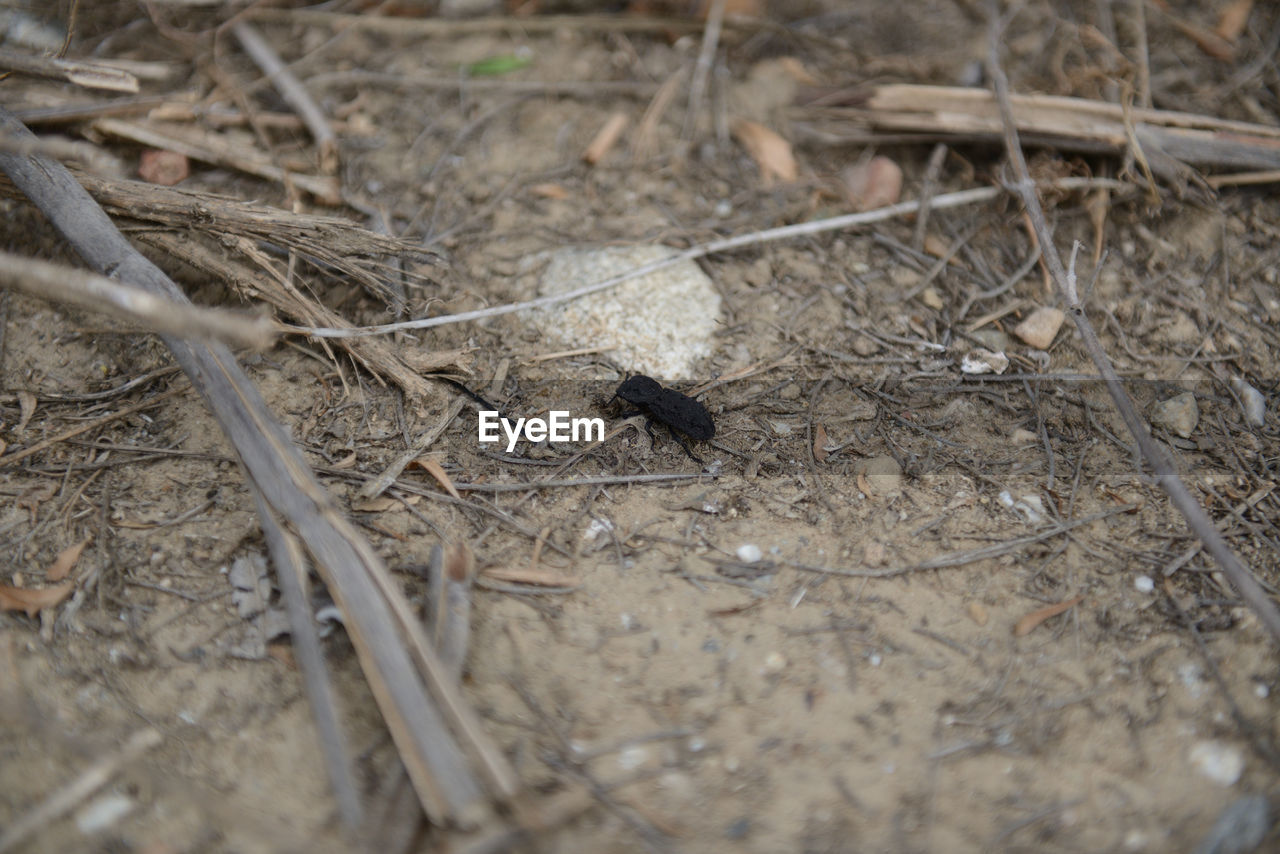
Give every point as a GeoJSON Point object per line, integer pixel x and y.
{"type": "Point", "coordinates": [869, 683]}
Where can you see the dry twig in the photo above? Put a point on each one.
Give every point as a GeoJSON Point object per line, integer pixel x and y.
{"type": "Point", "coordinates": [1065, 280]}
{"type": "Point", "coordinates": [155, 314]}
{"type": "Point", "coordinates": [450, 760]}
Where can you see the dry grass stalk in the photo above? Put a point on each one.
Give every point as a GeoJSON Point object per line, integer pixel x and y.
{"type": "Point", "coordinates": [1065, 280]}
{"type": "Point", "coordinates": [212, 148]}
{"type": "Point", "coordinates": [91, 75]}
{"type": "Point", "coordinates": [155, 314]}
{"type": "Point", "coordinates": [456, 771]}
{"type": "Point", "coordinates": [293, 92]}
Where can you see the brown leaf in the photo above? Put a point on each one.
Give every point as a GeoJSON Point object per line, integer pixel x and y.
{"type": "Point", "coordinates": [549, 191]}
{"type": "Point", "coordinates": [820, 443]}
{"type": "Point", "coordinates": [874, 184]}
{"type": "Point", "coordinates": [33, 600]}
{"type": "Point", "coordinates": [65, 560]}
{"type": "Point", "coordinates": [165, 168]}
{"type": "Point", "coordinates": [606, 138]}
{"type": "Point", "coordinates": [771, 152]}
{"type": "Point", "coordinates": [432, 467]}
{"type": "Point", "coordinates": [459, 562]}
{"type": "Point", "coordinates": [381, 504]}
{"type": "Point", "coordinates": [1232, 21]}
{"type": "Point", "coordinates": [540, 577]}
{"type": "Point", "coordinates": [1028, 623]}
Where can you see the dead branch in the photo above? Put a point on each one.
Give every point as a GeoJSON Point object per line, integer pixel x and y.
{"type": "Point", "coordinates": [293, 92]}
{"type": "Point", "coordinates": [449, 758]}
{"type": "Point", "coordinates": [155, 314]}
{"type": "Point", "coordinates": [92, 75]}
{"type": "Point", "coordinates": [785, 232]}
{"type": "Point", "coordinates": [1168, 138]}
{"type": "Point", "coordinates": [1065, 280]}
{"type": "Point", "coordinates": [210, 148]}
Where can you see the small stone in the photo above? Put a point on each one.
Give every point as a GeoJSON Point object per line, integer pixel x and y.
{"type": "Point", "coordinates": [1252, 401]}
{"type": "Point", "coordinates": [864, 346]}
{"type": "Point", "coordinates": [1040, 327]}
{"type": "Point", "coordinates": [977, 613]}
{"type": "Point", "coordinates": [1178, 414]}
{"type": "Point", "coordinates": [873, 184]}
{"type": "Point", "coordinates": [1022, 436]}
{"type": "Point", "coordinates": [749, 553]}
{"type": "Point", "coordinates": [980, 361]}
{"type": "Point", "coordinates": [661, 324]}
{"type": "Point", "coordinates": [1144, 584]}
{"type": "Point", "coordinates": [993, 339]}
{"type": "Point", "coordinates": [774, 663]}
{"type": "Point", "coordinates": [1220, 762]}
{"type": "Point", "coordinates": [930, 297]}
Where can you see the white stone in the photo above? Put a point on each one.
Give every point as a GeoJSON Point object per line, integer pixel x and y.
{"type": "Point", "coordinates": [1220, 762]}
{"type": "Point", "coordinates": [660, 324]}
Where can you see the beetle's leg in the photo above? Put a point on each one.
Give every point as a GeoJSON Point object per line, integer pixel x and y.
{"type": "Point", "coordinates": [683, 444]}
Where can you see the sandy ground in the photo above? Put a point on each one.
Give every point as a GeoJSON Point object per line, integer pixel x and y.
{"type": "Point", "coordinates": [848, 691]}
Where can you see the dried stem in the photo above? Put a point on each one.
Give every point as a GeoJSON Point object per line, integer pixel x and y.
{"type": "Point", "coordinates": [1165, 475]}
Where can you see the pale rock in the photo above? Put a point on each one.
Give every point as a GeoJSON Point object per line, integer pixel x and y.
{"type": "Point", "coordinates": [1179, 414]}
{"type": "Point", "coordinates": [1040, 327]}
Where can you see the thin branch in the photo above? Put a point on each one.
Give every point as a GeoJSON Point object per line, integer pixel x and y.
{"type": "Point", "coordinates": [786, 232]}
{"type": "Point", "coordinates": [65, 799]}
{"type": "Point", "coordinates": [1165, 474]}
{"type": "Point", "coordinates": [91, 75]}
{"type": "Point", "coordinates": [156, 314]}
{"type": "Point", "coordinates": [293, 92]}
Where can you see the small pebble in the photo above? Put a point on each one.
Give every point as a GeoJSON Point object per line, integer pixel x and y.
{"type": "Point", "coordinates": [1178, 414]}
{"type": "Point", "coordinates": [982, 361]}
{"type": "Point", "coordinates": [774, 663]}
{"type": "Point", "coordinates": [978, 613]}
{"type": "Point", "coordinates": [1144, 584]}
{"type": "Point", "coordinates": [749, 553]}
{"type": "Point", "coordinates": [1040, 327]}
{"type": "Point", "coordinates": [103, 813]}
{"type": "Point", "coordinates": [1220, 762]}
{"type": "Point", "coordinates": [1254, 404]}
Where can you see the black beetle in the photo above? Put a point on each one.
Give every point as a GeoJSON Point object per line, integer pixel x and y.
{"type": "Point", "coordinates": [679, 412]}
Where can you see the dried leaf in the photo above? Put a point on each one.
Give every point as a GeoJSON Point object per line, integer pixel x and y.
{"type": "Point", "coordinates": [550, 191]}
{"type": "Point", "coordinates": [1028, 623]}
{"type": "Point", "coordinates": [33, 600]}
{"type": "Point", "coordinates": [381, 504]}
{"type": "Point", "coordinates": [65, 560]}
{"type": "Point", "coordinates": [874, 184]}
{"type": "Point", "coordinates": [1232, 21]}
{"type": "Point", "coordinates": [771, 152]}
{"type": "Point", "coordinates": [26, 408]}
{"type": "Point", "coordinates": [605, 139]}
{"type": "Point", "coordinates": [539, 577]}
{"type": "Point", "coordinates": [165, 168]}
{"type": "Point", "coordinates": [459, 562]}
{"type": "Point", "coordinates": [432, 467]}
{"type": "Point", "coordinates": [820, 443]}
